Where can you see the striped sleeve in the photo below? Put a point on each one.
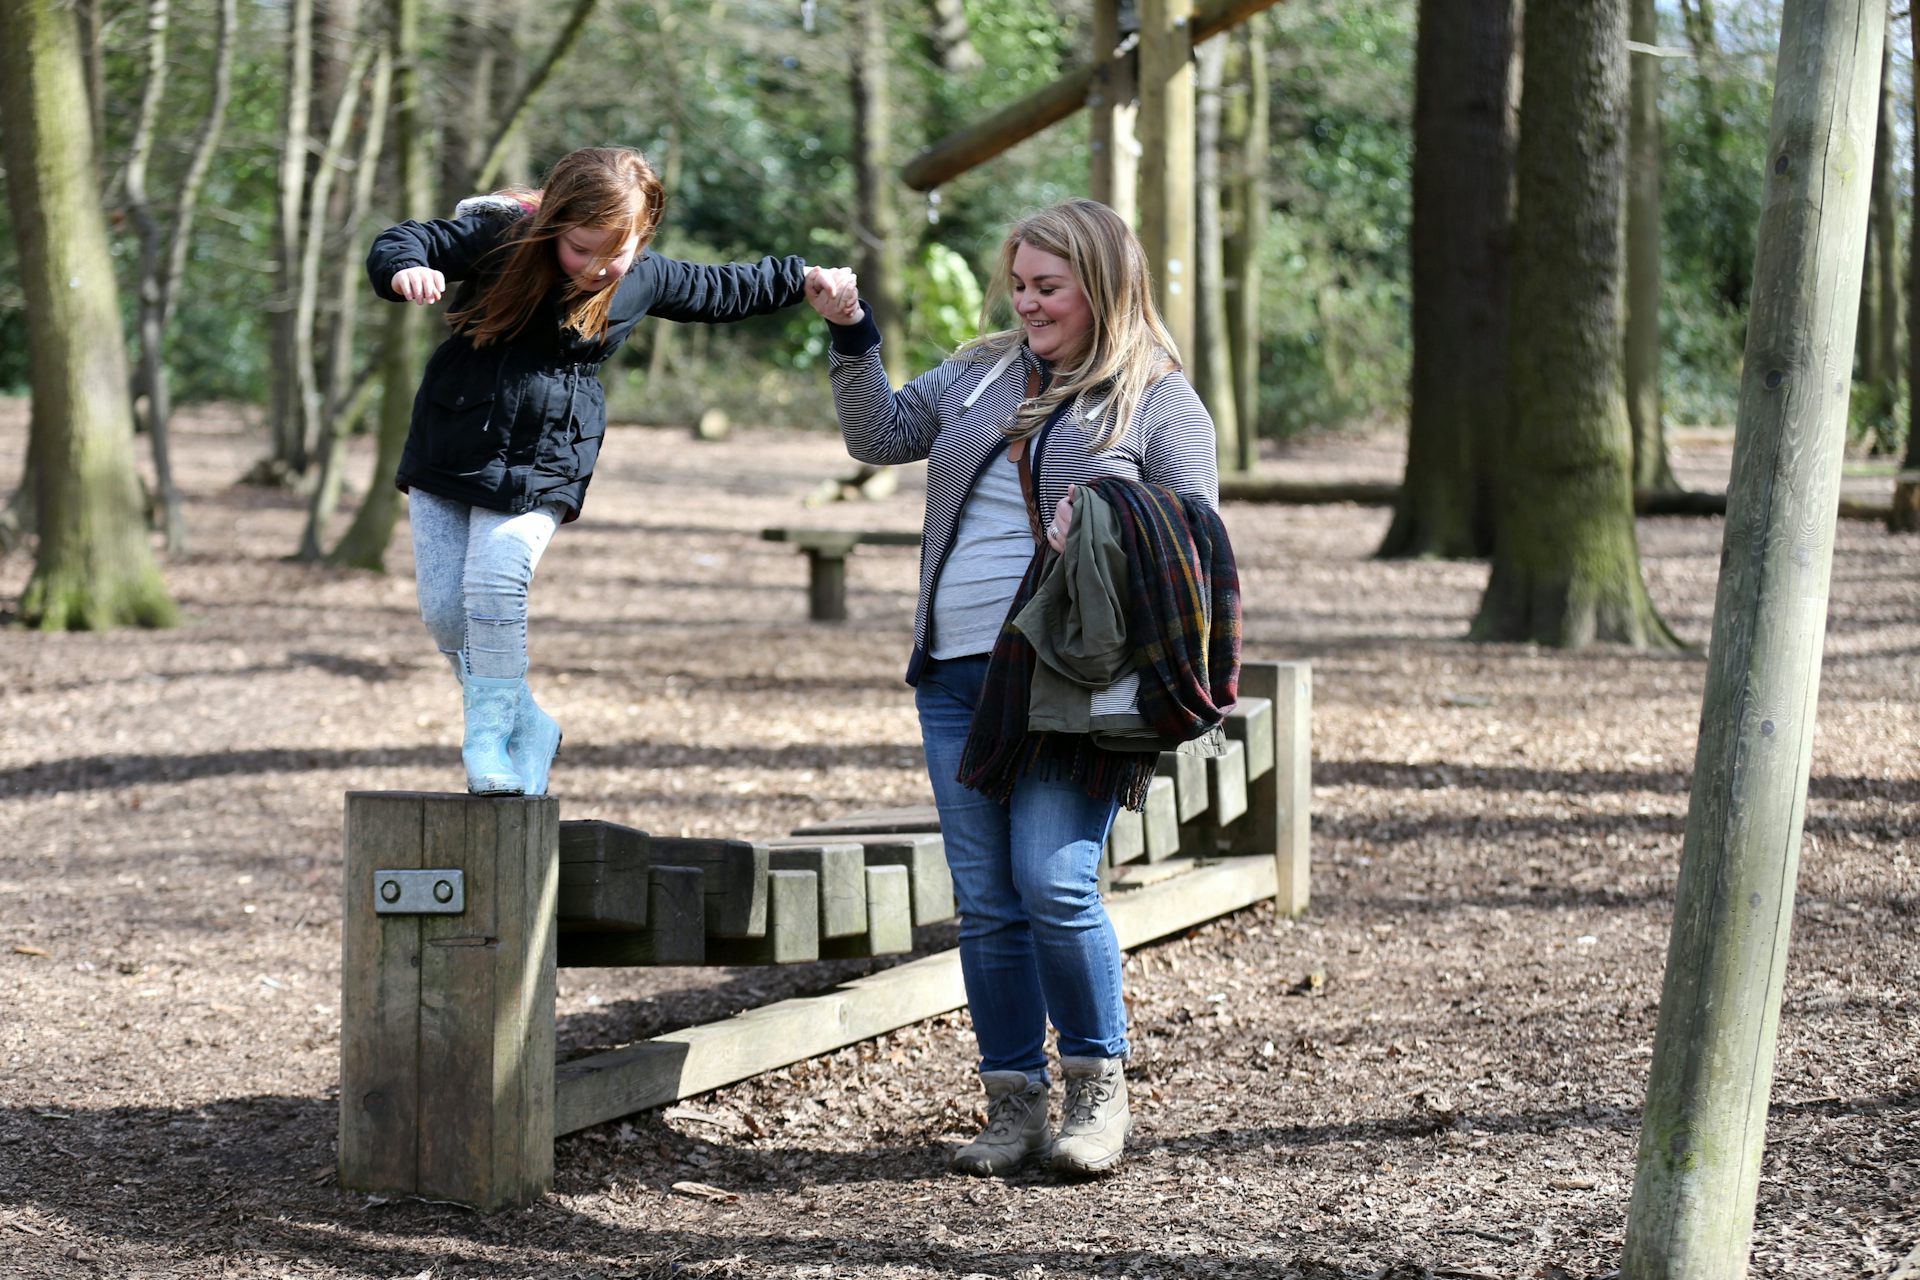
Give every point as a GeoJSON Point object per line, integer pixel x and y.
{"type": "Point", "coordinates": [1180, 450]}
{"type": "Point", "coordinates": [882, 426]}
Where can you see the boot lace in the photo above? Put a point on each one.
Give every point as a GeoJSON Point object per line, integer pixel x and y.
{"type": "Point", "coordinates": [1005, 1114]}
{"type": "Point", "coordinates": [1086, 1095]}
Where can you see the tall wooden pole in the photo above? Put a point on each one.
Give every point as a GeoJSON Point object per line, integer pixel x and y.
{"type": "Point", "coordinates": [1115, 164]}
{"type": "Point", "coordinates": [1705, 1120]}
{"type": "Point", "coordinates": [1166, 160]}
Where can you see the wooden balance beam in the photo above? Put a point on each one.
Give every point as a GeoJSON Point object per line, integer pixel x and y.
{"type": "Point", "coordinates": [459, 909]}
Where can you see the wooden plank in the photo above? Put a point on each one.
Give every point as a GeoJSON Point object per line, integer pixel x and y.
{"type": "Point", "coordinates": [925, 857]}
{"type": "Point", "coordinates": [682, 1064]}
{"type": "Point", "coordinates": [793, 925]}
{"type": "Point", "coordinates": [486, 1003]}
{"type": "Point", "coordinates": [1162, 820]}
{"type": "Point", "coordinates": [736, 881]}
{"type": "Point", "coordinates": [911, 818]}
{"type": "Point", "coordinates": [1250, 724]}
{"type": "Point", "coordinates": [841, 869]}
{"type": "Point", "coordinates": [1127, 840]}
{"type": "Point", "coordinates": [889, 918]}
{"type": "Point", "coordinates": [379, 1001]}
{"type": "Point", "coordinates": [841, 540]}
{"type": "Point", "coordinates": [676, 933]}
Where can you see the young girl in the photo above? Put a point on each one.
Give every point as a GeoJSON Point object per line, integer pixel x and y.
{"type": "Point", "coordinates": [509, 417]}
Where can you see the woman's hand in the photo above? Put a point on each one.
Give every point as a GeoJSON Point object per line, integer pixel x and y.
{"type": "Point", "coordinates": [835, 294]}
{"type": "Point", "coordinates": [1062, 520]}
{"type": "Point", "coordinates": [422, 285]}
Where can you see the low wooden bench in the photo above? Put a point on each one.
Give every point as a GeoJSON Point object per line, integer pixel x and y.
{"type": "Point", "coordinates": [826, 551]}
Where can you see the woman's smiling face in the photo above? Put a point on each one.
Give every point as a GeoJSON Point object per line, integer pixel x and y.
{"type": "Point", "coordinates": [1051, 304]}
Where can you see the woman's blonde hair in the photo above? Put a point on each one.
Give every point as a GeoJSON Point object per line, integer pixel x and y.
{"type": "Point", "coordinates": [596, 188]}
{"type": "Point", "coordinates": [1128, 346]}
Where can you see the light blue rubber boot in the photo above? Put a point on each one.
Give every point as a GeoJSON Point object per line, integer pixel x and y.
{"type": "Point", "coordinates": [534, 743]}
{"type": "Point", "coordinates": [490, 705]}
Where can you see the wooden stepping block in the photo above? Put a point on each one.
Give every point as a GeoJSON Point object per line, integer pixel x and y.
{"type": "Point", "coordinates": [603, 877]}
{"type": "Point", "coordinates": [1189, 774]}
{"type": "Point", "coordinates": [1127, 840]}
{"type": "Point", "coordinates": [1161, 820]}
{"type": "Point", "coordinates": [736, 881]}
{"type": "Point", "coordinates": [1227, 785]}
{"type": "Point", "coordinates": [911, 818]}
{"type": "Point", "coordinates": [675, 935]}
{"type": "Point", "coordinates": [889, 918]}
{"type": "Point", "coordinates": [793, 925]}
{"type": "Point", "coordinates": [929, 880]}
{"type": "Point", "coordinates": [841, 869]}
{"type": "Point", "coordinates": [1250, 724]}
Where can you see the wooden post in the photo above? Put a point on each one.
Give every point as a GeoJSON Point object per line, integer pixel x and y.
{"type": "Point", "coordinates": [1115, 176]}
{"type": "Point", "coordinates": [1166, 160]}
{"type": "Point", "coordinates": [447, 1032]}
{"type": "Point", "coordinates": [1704, 1125]}
{"type": "Point", "coordinates": [1280, 800]}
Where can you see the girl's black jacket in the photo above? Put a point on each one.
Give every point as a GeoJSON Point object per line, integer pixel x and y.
{"type": "Point", "coordinates": [518, 423]}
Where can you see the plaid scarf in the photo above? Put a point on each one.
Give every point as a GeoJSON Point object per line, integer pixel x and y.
{"type": "Point", "coordinates": [1183, 619]}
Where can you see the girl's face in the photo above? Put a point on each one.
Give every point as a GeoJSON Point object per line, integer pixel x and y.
{"type": "Point", "coordinates": [1051, 304]}
{"type": "Point", "coordinates": [595, 257]}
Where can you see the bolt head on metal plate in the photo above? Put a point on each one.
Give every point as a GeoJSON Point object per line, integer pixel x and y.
{"type": "Point", "coordinates": [417, 893]}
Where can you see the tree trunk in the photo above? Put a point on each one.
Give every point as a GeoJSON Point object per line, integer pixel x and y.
{"type": "Point", "coordinates": [1566, 560]}
{"type": "Point", "coordinates": [1463, 158]}
{"type": "Point", "coordinates": [482, 74]}
{"type": "Point", "coordinates": [877, 223]}
{"type": "Point", "coordinates": [1210, 363]}
{"type": "Point", "coordinates": [1704, 1126]}
{"type": "Point", "coordinates": [1165, 125]}
{"type": "Point", "coordinates": [1912, 462]}
{"type": "Point", "coordinates": [292, 408]}
{"type": "Point", "coordinates": [364, 545]}
{"type": "Point", "coordinates": [341, 408]}
{"type": "Point", "coordinates": [1247, 114]}
{"type": "Point", "coordinates": [1651, 468]}
{"type": "Point", "coordinates": [1114, 162]}
{"type": "Point", "coordinates": [1885, 336]}
{"type": "Point", "coordinates": [93, 568]}
{"type": "Point", "coordinates": [150, 382]}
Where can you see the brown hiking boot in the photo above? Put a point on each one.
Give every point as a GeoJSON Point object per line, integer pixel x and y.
{"type": "Point", "coordinates": [1016, 1125]}
{"type": "Point", "coordinates": [1095, 1120]}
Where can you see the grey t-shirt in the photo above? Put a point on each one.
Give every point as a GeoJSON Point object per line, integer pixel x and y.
{"type": "Point", "coordinates": [991, 550]}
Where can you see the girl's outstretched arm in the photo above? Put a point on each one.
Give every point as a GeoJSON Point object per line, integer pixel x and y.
{"type": "Point", "coordinates": [692, 293]}
{"type": "Point", "coordinates": [450, 247]}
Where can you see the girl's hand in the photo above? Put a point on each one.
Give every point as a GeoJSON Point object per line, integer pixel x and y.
{"type": "Point", "coordinates": [835, 294]}
{"type": "Point", "coordinates": [1062, 521]}
{"type": "Point", "coordinates": [422, 285]}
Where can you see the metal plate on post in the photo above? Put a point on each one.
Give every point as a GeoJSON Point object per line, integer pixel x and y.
{"type": "Point", "coordinates": [419, 893]}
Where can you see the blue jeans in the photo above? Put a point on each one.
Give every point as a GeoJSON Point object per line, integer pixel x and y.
{"type": "Point", "coordinates": [472, 567]}
{"type": "Point", "coordinates": [1035, 941]}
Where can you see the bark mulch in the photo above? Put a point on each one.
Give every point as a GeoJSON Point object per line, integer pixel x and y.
{"type": "Point", "coordinates": [1436, 1072]}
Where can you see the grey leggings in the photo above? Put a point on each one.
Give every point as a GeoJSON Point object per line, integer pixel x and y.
{"type": "Point", "coordinates": [472, 567]}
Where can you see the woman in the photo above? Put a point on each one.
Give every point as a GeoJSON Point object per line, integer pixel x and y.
{"type": "Point", "coordinates": [1087, 386]}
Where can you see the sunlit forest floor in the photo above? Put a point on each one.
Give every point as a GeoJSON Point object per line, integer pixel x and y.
{"type": "Point", "coordinates": [1496, 833]}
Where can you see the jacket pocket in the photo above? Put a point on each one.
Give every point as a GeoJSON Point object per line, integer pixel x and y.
{"type": "Point", "coordinates": [464, 436]}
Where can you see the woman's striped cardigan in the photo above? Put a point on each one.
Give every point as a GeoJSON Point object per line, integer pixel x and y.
{"type": "Point", "coordinates": [1170, 441]}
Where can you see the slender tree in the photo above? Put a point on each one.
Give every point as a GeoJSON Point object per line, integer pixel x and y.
{"type": "Point", "coordinates": [1884, 334]}
{"type": "Point", "coordinates": [877, 224]}
{"type": "Point", "coordinates": [1652, 471]}
{"type": "Point", "coordinates": [1246, 221]}
{"type": "Point", "coordinates": [294, 394]}
{"type": "Point", "coordinates": [163, 252]}
{"type": "Point", "coordinates": [1211, 362]}
{"type": "Point", "coordinates": [1463, 123]}
{"type": "Point", "coordinates": [92, 567]}
{"type": "Point", "coordinates": [1904, 516]}
{"type": "Point", "coordinates": [364, 545]}
{"type": "Point", "coordinates": [1566, 559]}
{"type": "Point", "coordinates": [951, 38]}
{"type": "Point", "coordinates": [1703, 1131]}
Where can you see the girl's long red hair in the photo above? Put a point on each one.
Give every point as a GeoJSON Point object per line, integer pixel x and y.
{"type": "Point", "coordinates": [596, 188]}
